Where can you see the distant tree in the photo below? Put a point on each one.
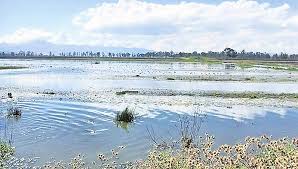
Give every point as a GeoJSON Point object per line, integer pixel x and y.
{"type": "Point", "coordinates": [230, 52]}
{"type": "Point", "coordinates": [98, 54]}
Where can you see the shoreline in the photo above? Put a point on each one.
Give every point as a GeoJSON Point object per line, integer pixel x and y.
{"type": "Point", "coordinates": [153, 97]}
{"type": "Point", "coordinates": [181, 59]}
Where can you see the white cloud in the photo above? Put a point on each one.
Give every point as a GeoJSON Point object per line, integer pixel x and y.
{"type": "Point", "coordinates": [187, 26]}
{"type": "Point", "coordinates": [23, 35]}
{"type": "Point", "coordinates": [192, 26]}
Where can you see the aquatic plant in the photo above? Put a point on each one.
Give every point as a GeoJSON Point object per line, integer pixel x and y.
{"type": "Point", "coordinates": [170, 78]}
{"type": "Point", "coordinates": [6, 151]}
{"type": "Point", "coordinates": [14, 111]}
{"type": "Point", "coordinates": [127, 115]}
{"type": "Point", "coordinates": [49, 92]}
{"type": "Point", "coordinates": [127, 92]}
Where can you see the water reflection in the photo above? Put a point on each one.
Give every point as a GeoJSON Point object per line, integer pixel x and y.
{"type": "Point", "coordinates": [124, 125]}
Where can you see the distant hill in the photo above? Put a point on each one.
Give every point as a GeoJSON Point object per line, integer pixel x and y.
{"type": "Point", "coordinates": [46, 47]}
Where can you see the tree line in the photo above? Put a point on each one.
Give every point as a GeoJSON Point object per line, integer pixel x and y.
{"type": "Point", "coordinates": [227, 53]}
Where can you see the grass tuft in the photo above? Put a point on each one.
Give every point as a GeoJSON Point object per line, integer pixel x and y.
{"type": "Point", "coordinates": [127, 115]}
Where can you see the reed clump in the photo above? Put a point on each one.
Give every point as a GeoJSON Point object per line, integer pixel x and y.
{"type": "Point", "coordinates": [127, 115]}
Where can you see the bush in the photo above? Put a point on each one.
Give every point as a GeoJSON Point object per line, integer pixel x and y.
{"type": "Point", "coordinates": [127, 115]}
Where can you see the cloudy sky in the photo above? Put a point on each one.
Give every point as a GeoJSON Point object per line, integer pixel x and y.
{"type": "Point", "coordinates": [191, 25]}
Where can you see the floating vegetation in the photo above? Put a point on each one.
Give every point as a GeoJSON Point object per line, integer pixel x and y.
{"type": "Point", "coordinates": [48, 92]}
{"type": "Point", "coordinates": [127, 115]}
{"type": "Point", "coordinates": [170, 78]}
{"type": "Point", "coordinates": [127, 92]}
{"type": "Point", "coordinates": [14, 112]}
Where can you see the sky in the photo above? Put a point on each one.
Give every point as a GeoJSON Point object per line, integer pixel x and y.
{"type": "Point", "coordinates": [189, 25]}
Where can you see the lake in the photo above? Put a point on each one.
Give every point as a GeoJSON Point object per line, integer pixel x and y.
{"type": "Point", "coordinates": [79, 116]}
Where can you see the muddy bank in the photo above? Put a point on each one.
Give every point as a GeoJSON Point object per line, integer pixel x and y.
{"type": "Point", "coordinates": [220, 78]}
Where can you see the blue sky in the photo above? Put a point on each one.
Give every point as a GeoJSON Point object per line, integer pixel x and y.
{"type": "Point", "coordinates": [60, 21]}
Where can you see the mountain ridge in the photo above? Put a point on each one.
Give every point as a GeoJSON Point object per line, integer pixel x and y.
{"type": "Point", "coordinates": [47, 47]}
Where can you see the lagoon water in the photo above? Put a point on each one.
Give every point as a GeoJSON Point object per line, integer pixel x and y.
{"type": "Point", "coordinates": [62, 129]}
{"type": "Point", "coordinates": [83, 75]}
{"type": "Point", "coordinates": [51, 127]}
